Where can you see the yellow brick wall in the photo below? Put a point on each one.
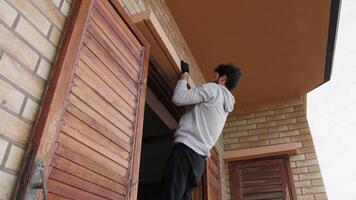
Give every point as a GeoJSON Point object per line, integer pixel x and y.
{"type": "Point", "coordinates": [278, 123]}
{"type": "Point", "coordinates": [29, 36]}
{"type": "Point", "coordinates": [161, 11]}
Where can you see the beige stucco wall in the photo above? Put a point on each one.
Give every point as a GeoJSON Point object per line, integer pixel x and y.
{"type": "Point", "coordinates": [29, 36]}
{"type": "Point", "coordinates": [278, 123]}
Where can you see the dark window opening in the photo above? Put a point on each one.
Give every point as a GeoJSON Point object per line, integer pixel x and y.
{"type": "Point", "coordinates": [156, 143]}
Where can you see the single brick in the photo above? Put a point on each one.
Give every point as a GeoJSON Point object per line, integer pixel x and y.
{"type": "Point", "coordinates": [306, 150]}
{"type": "Point", "coordinates": [298, 126]}
{"type": "Point", "coordinates": [310, 156]}
{"type": "Point", "coordinates": [299, 138]}
{"type": "Point", "coordinates": [321, 196]}
{"type": "Point", "coordinates": [22, 77]}
{"type": "Point", "coordinates": [276, 117]}
{"type": "Point", "coordinates": [308, 143]}
{"type": "Point", "coordinates": [298, 191]}
{"type": "Point", "coordinates": [315, 168]}
{"type": "Point", "coordinates": [297, 157]}
{"type": "Point", "coordinates": [317, 182]}
{"type": "Point", "coordinates": [299, 184]}
{"type": "Point", "coordinates": [280, 140]}
{"type": "Point", "coordinates": [229, 129]}
{"type": "Point", "coordinates": [52, 12]}
{"type": "Point", "coordinates": [292, 164]}
{"type": "Point", "coordinates": [246, 116]}
{"type": "Point", "coordinates": [55, 36]}
{"type": "Point", "coordinates": [38, 41]}
{"type": "Point", "coordinates": [14, 128]}
{"type": "Point", "coordinates": [304, 131]}
{"type": "Point", "coordinates": [17, 48]}
{"type": "Point", "coordinates": [238, 134]}
{"type": "Point", "coordinates": [299, 108]}
{"type": "Point", "coordinates": [269, 136]}
{"type": "Point", "coordinates": [7, 185]}
{"type": "Point", "coordinates": [313, 190]}
{"type": "Point", "coordinates": [289, 133]}
{"type": "Point", "coordinates": [278, 128]}
{"type": "Point", "coordinates": [266, 124]}
{"type": "Point", "coordinates": [284, 110]}
{"type": "Point", "coordinates": [44, 69]}
{"type": "Point", "coordinates": [3, 147]}
{"type": "Point", "coordinates": [57, 2]}
{"type": "Point", "coordinates": [256, 120]}
{"type": "Point", "coordinates": [231, 141]}
{"type": "Point", "coordinates": [10, 97]}
{"type": "Point", "coordinates": [65, 8]}
{"type": "Point", "coordinates": [28, 10]}
{"type": "Point", "coordinates": [249, 138]}
{"type": "Point", "coordinates": [265, 113]}
{"type": "Point", "coordinates": [299, 170]}
{"type": "Point", "coordinates": [259, 143]}
{"type": "Point", "coordinates": [295, 114]}
{"type": "Point", "coordinates": [310, 176]}
{"type": "Point", "coordinates": [247, 127]}
{"type": "Point", "coordinates": [240, 145]}
{"type": "Point", "coordinates": [287, 121]}
{"type": "Point", "coordinates": [258, 131]}
{"type": "Point", "coordinates": [7, 13]}
{"type": "Point", "coordinates": [238, 123]}
{"type": "Point", "coordinates": [15, 158]}
{"type": "Point", "coordinates": [301, 119]}
{"type": "Point", "coordinates": [303, 163]}
{"type": "Point", "coordinates": [31, 109]}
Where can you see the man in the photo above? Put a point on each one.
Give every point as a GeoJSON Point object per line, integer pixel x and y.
{"type": "Point", "coordinates": [198, 129]}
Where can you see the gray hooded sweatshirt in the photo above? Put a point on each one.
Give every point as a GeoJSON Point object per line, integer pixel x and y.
{"type": "Point", "coordinates": [200, 126]}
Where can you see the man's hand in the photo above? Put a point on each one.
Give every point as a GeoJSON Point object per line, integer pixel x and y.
{"type": "Point", "coordinates": [184, 66]}
{"type": "Point", "coordinates": [184, 76]}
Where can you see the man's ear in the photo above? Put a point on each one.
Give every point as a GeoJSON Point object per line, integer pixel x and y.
{"type": "Point", "coordinates": [223, 79]}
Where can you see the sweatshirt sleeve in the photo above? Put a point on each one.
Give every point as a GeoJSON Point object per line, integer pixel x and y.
{"type": "Point", "coordinates": [183, 96]}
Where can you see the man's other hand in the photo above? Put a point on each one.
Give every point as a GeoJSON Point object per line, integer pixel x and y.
{"type": "Point", "coordinates": [184, 76]}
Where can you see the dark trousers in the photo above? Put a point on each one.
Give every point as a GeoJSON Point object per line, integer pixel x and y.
{"type": "Point", "coordinates": [183, 172]}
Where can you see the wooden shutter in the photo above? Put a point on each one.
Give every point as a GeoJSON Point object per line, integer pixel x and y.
{"type": "Point", "coordinates": [90, 127]}
{"type": "Point", "coordinates": [211, 178]}
{"type": "Point", "coordinates": [260, 179]}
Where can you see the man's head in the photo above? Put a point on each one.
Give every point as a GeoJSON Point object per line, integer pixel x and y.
{"type": "Point", "coordinates": [227, 75]}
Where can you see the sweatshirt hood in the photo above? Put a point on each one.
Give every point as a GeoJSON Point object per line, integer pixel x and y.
{"type": "Point", "coordinates": [229, 102]}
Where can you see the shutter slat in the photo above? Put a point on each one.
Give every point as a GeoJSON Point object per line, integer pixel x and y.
{"type": "Point", "coordinates": [81, 184]}
{"type": "Point", "coordinates": [87, 152]}
{"type": "Point", "coordinates": [98, 127]}
{"type": "Point", "coordinates": [75, 123]}
{"type": "Point", "coordinates": [88, 175]}
{"type": "Point", "coordinates": [90, 164]}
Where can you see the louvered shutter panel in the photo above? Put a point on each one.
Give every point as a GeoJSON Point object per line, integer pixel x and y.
{"type": "Point", "coordinates": [264, 179]}
{"type": "Point", "coordinates": [212, 179]}
{"type": "Point", "coordinates": [89, 131]}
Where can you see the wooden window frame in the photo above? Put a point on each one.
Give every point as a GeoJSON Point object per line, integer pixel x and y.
{"type": "Point", "coordinates": [234, 185]}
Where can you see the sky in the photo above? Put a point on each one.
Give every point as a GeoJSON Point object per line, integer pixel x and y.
{"type": "Point", "coordinates": [332, 113]}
